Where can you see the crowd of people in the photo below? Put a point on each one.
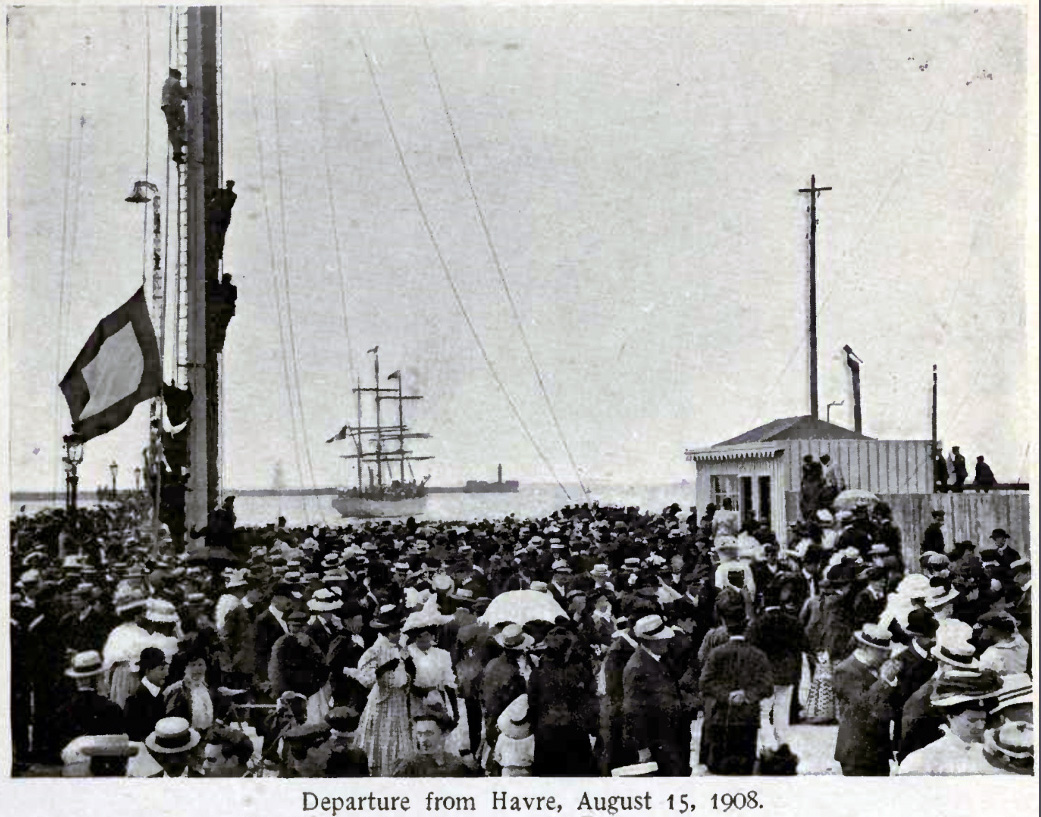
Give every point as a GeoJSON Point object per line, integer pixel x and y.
{"type": "Point", "coordinates": [594, 641]}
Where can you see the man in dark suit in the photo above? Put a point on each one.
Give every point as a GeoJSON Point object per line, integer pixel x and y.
{"type": "Point", "coordinates": [863, 699]}
{"type": "Point", "coordinates": [146, 705]}
{"type": "Point", "coordinates": [654, 717]}
{"type": "Point", "coordinates": [85, 712]}
{"type": "Point", "coordinates": [269, 626]}
{"type": "Point", "coordinates": [505, 677]}
{"type": "Point", "coordinates": [736, 677]}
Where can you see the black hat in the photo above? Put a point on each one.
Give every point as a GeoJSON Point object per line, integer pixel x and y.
{"type": "Point", "coordinates": [151, 657]}
{"type": "Point", "coordinates": [999, 533]}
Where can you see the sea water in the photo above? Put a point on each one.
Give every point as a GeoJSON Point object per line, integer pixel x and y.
{"type": "Point", "coordinates": [531, 501]}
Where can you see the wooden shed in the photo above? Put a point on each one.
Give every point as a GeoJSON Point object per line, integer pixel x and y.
{"type": "Point", "coordinates": [760, 469]}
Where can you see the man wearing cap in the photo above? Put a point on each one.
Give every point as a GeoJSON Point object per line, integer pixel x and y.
{"type": "Point", "coordinates": [932, 539]}
{"type": "Point", "coordinates": [655, 720]}
{"type": "Point", "coordinates": [736, 677]}
{"type": "Point", "coordinates": [430, 726]}
{"type": "Point", "coordinates": [863, 684]}
{"type": "Point", "coordinates": [146, 705]}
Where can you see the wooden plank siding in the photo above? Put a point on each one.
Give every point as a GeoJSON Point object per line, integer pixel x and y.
{"type": "Point", "coordinates": [879, 466]}
{"type": "Point", "coordinates": [967, 516]}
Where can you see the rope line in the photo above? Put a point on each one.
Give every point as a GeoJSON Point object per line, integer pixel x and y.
{"type": "Point", "coordinates": [351, 363]}
{"type": "Point", "coordinates": [448, 275]}
{"type": "Point", "coordinates": [285, 274]}
{"type": "Point", "coordinates": [286, 380]}
{"type": "Point", "coordinates": [495, 258]}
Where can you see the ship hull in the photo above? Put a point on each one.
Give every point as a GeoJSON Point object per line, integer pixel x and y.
{"type": "Point", "coordinates": [354, 507]}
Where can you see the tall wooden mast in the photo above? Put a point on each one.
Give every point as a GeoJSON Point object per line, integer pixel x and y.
{"type": "Point", "coordinates": [202, 177]}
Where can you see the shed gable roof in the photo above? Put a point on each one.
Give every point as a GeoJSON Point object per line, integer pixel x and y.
{"type": "Point", "coordinates": [804, 427]}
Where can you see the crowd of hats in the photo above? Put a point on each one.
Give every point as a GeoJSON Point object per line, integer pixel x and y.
{"type": "Point", "coordinates": [411, 576]}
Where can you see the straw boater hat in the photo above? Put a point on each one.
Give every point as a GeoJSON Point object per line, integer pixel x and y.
{"type": "Point", "coordinates": [939, 597]}
{"type": "Point", "coordinates": [514, 722]}
{"type": "Point", "coordinates": [324, 600]}
{"type": "Point", "coordinates": [85, 665]}
{"type": "Point", "coordinates": [442, 582]}
{"type": "Point", "coordinates": [914, 586]}
{"type": "Point", "coordinates": [632, 563]}
{"type": "Point", "coordinates": [107, 746]}
{"type": "Point", "coordinates": [953, 646]}
{"type": "Point", "coordinates": [1010, 747]}
{"type": "Point", "coordinates": [965, 686]}
{"type": "Point", "coordinates": [462, 595]}
{"type": "Point", "coordinates": [172, 736]}
{"type": "Point", "coordinates": [539, 587]}
{"type": "Point", "coordinates": [513, 637]}
{"type": "Point", "coordinates": [1016, 690]}
{"type": "Point", "coordinates": [875, 636]}
{"type": "Point", "coordinates": [560, 566]}
{"type": "Point", "coordinates": [652, 628]}
{"type": "Point", "coordinates": [600, 571]}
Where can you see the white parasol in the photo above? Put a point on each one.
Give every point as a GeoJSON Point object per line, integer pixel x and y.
{"type": "Point", "coordinates": [522, 606]}
{"type": "Point", "coordinates": [852, 497]}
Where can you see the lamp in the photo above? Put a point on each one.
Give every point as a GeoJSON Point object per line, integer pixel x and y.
{"type": "Point", "coordinates": [140, 196]}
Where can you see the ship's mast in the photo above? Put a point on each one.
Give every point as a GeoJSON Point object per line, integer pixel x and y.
{"type": "Point", "coordinates": [379, 430]}
{"type": "Point", "coordinates": [202, 177]}
{"type": "Point", "coordinates": [361, 485]}
{"type": "Point", "coordinates": [401, 429]}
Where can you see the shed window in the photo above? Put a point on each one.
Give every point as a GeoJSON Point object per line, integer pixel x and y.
{"type": "Point", "coordinates": [725, 486]}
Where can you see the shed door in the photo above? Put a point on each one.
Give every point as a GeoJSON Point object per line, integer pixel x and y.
{"type": "Point", "coordinates": [747, 508]}
{"type": "Point", "coordinates": [764, 498]}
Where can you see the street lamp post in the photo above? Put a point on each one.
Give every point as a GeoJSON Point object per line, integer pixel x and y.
{"type": "Point", "coordinates": [73, 457]}
{"type": "Point", "coordinates": [114, 468]}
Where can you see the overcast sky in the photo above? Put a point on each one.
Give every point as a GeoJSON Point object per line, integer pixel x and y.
{"type": "Point", "coordinates": [638, 170]}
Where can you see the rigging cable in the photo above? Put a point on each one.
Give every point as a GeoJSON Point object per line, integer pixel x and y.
{"type": "Point", "coordinates": [448, 275]}
{"type": "Point", "coordinates": [351, 363]}
{"type": "Point", "coordinates": [285, 274]}
{"type": "Point", "coordinates": [495, 259]}
{"type": "Point", "coordinates": [274, 267]}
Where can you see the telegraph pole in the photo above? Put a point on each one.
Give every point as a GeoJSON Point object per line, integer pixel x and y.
{"type": "Point", "coordinates": [814, 191]}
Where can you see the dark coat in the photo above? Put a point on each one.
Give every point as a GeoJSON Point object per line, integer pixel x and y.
{"type": "Point", "coordinates": [614, 751]}
{"type": "Point", "coordinates": [266, 631]}
{"type": "Point", "coordinates": [867, 607]}
{"type": "Point", "coordinates": [501, 684]}
{"type": "Point", "coordinates": [296, 664]}
{"type": "Point", "coordinates": [864, 705]}
{"type": "Point", "coordinates": [562, 703]}
{"type": "Point", "coordinates": [782, 638]}
{"type": "Point", "coordinates": [653, 714]}
{"type": "Point", "coordinates": [86, 712]}
{"type": "Point", "coordinates": [731, 728]}
{"type": "Point", "coordinates": [344, 760]}
{"type": "Point", "coordinates": [143, 710]}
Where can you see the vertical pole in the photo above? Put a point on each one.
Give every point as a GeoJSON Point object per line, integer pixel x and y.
{"type": "Point", "coordinates": [935, 450]}
{"type": "Point", "coordinates": [813, 190]}
{"type": "Point", "coordinates": [814, 410]}
{"type": "Point", "coordinates": [401, 430]}
{"type": "Point", "coordinates": [379, 430]}
{"type": "Point", "coordinates": [361, 485]}
{"type": "Point", "coordinates": [201, 171]}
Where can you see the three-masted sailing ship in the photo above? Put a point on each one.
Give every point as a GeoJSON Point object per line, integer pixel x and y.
{"type": "Point", "coordinates": [379, 450]}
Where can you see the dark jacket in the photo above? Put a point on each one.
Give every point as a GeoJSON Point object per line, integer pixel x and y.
{"type": "Point", "coordinates": [782, 638]}
{"type": "Point", "coordinates": [143, 710]}
{"type": "Point", "coordinates": [864, 709]}
{"type": "Point", "coordinates": [266, 631]}
{"type": "Point", "coordinates": [653, 713]}
{"type": "Point", "coordinates": [86, 712]}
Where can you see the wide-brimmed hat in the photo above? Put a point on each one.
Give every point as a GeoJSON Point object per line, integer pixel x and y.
{"type": "Point", "coordinates": [1010, 747]}
{"type": "Point", "coordinates": [426, 618]}
{"type": "Point", "coordinates": [171, 736]}
{"type": "Point", "coordinates": [560, 566]}
{"type": "Point", "coordinates": [874, 635]}
{"type": "Point", "coordinates": [85, 665]}
{"type": "Point", "coordinates": [914, 586]}
{"type": "Point", "coordinates": [600, 570]}
{"type": "Point", "coordinates": [939, 597]}
{"type": "Point", "coordinates": [1017, 689]}
{"type": "Point", "coordinates": [128, 597]}
{"type": "Point", "coordinates": [107, 746]}
{"type": "Point", "coordinates": [513, 637]}
{"type": "Point", "coordinates": [963, 686]}
{"type": "Point", "coordinates": [879, 549]}
{"type": "Point", "coordinates": [652, 628]}
{"type": "Point", "coordinates": [514, 721]}
{"type": "Point", "coordinates": [324, 600]}
{"type": "Point", "coordinates": [953, 646]}
{"type": "Point", "coordinates": [161, 611]}
{"type": "Point", "coordinates": [462, 595]}
{"type": "Point", "coordinates": [999, 533]}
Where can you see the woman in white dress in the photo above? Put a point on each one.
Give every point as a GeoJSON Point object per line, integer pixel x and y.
{"type": "Point", "coordinates": [385, 729]}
